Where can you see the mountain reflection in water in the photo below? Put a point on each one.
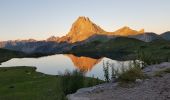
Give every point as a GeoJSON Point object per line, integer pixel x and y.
{"type": "Point", "coordinates": [60, 63]}
{"type": "Point", "coordinates": [84, 64]}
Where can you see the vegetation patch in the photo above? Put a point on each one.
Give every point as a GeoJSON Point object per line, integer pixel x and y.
{"type": "Point", "coordinates": [24, 83]}
{"type": "Point", "coordinates": [126, 74]}
{"type": "Point", "coordinates": [131, 74]}
{"type": "Point", "coordinates": [123, 48]}
{"type": "Point", "coordinates": [72, 81]}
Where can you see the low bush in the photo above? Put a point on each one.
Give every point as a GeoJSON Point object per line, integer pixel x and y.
{"type": "Point", "coordinates": [131, 74]}
{"type": "Point", "coordinates": [147, 58]}
{"type": "Point", "coordinates": [125, 74]}
{"type": "Point", "coordinates": [72, 81]}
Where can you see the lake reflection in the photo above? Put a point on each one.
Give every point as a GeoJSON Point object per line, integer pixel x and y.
{"type": "Point", "coordinates": [58, 63]}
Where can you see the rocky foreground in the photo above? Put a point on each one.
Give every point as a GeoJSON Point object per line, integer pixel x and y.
{"type": "Point", "coordinates": [155, 87]}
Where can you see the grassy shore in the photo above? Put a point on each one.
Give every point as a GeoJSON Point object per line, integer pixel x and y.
{"type": "Point", "coordinates": [24, 83]}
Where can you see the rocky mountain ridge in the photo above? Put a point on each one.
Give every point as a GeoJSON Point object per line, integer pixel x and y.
{"type": "Point", "coordinates": [83, 30]}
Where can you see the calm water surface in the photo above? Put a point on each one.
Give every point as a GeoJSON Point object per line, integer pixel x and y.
{"type": "Point", "coordinates": [55, 64]}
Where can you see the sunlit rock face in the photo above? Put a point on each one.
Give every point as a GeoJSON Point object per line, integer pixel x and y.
{"type": "Point", "coordinates": [84, 64]}
{"type": "Point", "coordinates": [83, 28]}
{"type": "Point", "coordinates": [126, 31]}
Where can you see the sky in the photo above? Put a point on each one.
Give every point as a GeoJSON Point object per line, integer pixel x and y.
{"type": "Point", "coordinates": [40, 19]}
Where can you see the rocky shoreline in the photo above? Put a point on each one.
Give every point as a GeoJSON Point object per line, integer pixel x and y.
{"type": "Point", "coordinates": [152, 88]}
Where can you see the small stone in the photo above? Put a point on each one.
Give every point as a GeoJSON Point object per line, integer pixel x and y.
{"type": "Point", "coordinates": [138, 81]}
{"type": "Point", "coordinates": [168, 96]}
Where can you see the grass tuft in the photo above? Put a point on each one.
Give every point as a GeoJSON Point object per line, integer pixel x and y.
{"type": "Point", "coordinates": [160, 73]}
{"type": "Point", "coordinates": [131, 74]}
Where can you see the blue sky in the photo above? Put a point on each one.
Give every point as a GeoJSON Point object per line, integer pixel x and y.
{"type": "Point", "coordinates": [39, 19]}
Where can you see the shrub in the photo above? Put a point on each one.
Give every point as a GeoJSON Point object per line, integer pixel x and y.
{"type": "Point", "coordinates": [106, 71]}
{"type": "Point", "coordinates": [131, 74]}
{"type": "Point", "coordinates": [71, 81]}
{"type": "Point", "coordinates": [147, 58]}
{"type": "Point", "coordinates": [125, 74]}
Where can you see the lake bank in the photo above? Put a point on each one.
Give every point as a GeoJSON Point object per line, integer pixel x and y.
{"type": "Point", "coordinates": [18, 83]}
{"type": "Point", "coordinates": [155, 87]}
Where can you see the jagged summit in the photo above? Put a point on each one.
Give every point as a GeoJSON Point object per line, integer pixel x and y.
{"type": "Point", "coordinates": [83, 28]}
{"type": "Point", "coordinates": [83, 18]}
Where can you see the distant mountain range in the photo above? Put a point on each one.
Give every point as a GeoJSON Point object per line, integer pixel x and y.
{"type": "Point", "coordinates": [83, 28]}
{"type": "Point", "coordinates": [82, 31]}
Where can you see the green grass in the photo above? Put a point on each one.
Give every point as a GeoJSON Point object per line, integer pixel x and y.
{"type": "Point", "coordinates": [130, 75]}
{"type": "Point", "coordinates": [24, 83]}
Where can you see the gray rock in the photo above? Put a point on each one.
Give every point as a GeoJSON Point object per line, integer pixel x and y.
{"type": "Point", "coordinates": [154, 88]}
{"type": "Point", "coordinates": [139, 81]}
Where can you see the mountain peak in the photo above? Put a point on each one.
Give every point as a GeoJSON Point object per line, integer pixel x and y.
{"type": "Point", "coordinates": [83, 28]}
{"type": "Point", "coordinates": [125, 27]}
{"type": "Point", "coordinates": [83, 18]}
{"type": "Point", "coordinates": [126, 31]}
{"type": "Point", "coordinates": [142, 31]}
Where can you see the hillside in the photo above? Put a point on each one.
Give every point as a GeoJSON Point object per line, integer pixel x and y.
{"type": "Point", "coordinates": [123, 48]}
{"type": "Point", "coordinates": [8, 54]}
{"type": "Point", "coordinates": [166, 35]}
